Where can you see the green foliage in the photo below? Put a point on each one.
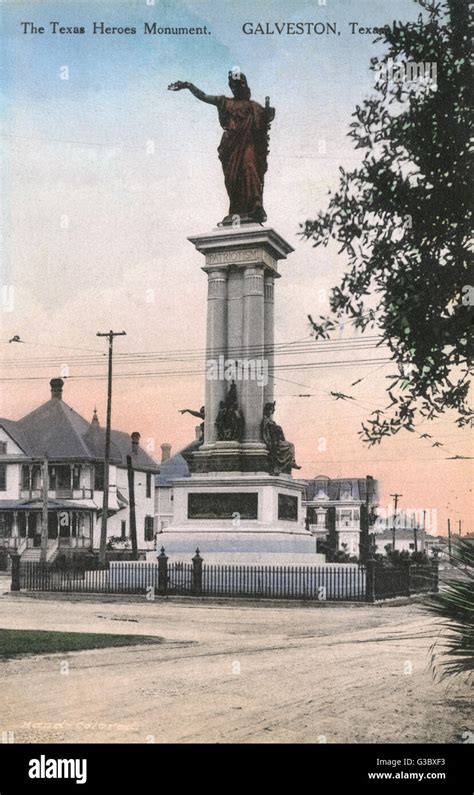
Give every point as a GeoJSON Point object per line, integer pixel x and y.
{"type": "Point", "coordinates": [31, 641]}
{"type": "Point", "coordinates": [402, 219]}
{"type": "Point", "coordinates": [454, 605]}
{"type": "Point", "coordinates": [400, 557]}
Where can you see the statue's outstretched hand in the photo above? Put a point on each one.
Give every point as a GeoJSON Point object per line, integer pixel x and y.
{"type": "Point", "coordinates": [178, 86]}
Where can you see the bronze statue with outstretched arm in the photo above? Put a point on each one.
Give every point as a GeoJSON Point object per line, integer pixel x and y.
{"type": "Point", "coordinates": [243, 148]}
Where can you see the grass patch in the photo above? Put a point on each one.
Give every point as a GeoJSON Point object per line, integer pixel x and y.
{"type": "Point", "coordinates": [31, 641]}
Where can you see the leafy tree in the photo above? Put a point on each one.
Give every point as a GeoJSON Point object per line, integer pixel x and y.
{"type": "Point", "coordinates": [403, 219]}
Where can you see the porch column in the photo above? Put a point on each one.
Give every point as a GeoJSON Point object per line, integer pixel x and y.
{"type": "Point", "coordinates": [15, 525]}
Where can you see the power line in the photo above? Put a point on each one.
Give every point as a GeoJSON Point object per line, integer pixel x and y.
{"type": "Point", "coordinates": [290, 348]}
{"type": "Point", "coordinates": [183, 373]}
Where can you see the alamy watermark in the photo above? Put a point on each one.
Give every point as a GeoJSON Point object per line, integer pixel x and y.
{"type": "Point", "coordinates": [425, 72]}
{"type": "Point", "coordinates": [222, 369]}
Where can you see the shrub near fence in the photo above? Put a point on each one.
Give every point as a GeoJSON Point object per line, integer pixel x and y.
{"type": "Point", "coordinates": [332, 582]}
{"type": "Point", "coordinates": [388, 582]}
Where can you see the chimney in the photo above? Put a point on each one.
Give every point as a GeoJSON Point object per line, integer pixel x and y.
{"type": "Point", "coordinates": [56, 385]}
{"type": "Point", "coordinates": [135, 441]}
{"type": "Point", "coordinates": [165, 452]}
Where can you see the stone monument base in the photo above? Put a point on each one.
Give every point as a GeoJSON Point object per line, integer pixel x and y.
{"type": "Point", "coordinates": [251, 514]}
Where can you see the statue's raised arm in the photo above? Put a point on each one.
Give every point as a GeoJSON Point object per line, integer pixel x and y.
{"type": "Point", "coordinates": [243, 148]}
{"type": "Point", "coordinates": [179, 85]}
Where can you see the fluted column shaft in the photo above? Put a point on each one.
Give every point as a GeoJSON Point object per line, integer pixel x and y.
{"type": "Point", "coordinates": [216, 345]}
{"type": "Point", "coordinates": [252, 392]}
{"type": "Point", "coordinates": [269, 332]}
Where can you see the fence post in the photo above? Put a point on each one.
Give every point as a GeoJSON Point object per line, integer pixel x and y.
{"type": "Point", "coordinates": [15, 584]}
{"type": "Point", "coordinates": [370, 580]}
{"type": "Point", "coordinates": [197, 573]}
{"type": "Point", "coordinates": [162, 572]}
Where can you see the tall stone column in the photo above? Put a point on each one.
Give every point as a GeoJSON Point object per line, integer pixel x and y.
{"type": "Point", "coordinates": [269, 335]}
{"type": "Point", "coordinates": [241, 264]}
{"type": "Point", "coordinates": [251, 390]}
{"type": "Point", "coordinates": [235, 315]}
{"type": "Point", "coordinates": [216, 345]}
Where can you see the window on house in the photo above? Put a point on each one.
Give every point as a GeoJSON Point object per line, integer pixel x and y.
{"type": "Point", "coordinates": [123, 529]}
{"type": "Point", "coordinates": [25, 477]}
{"type": "Point", "coordinates": [3, 448]}
{"type": "Point", "coordinates": [63, 476]}
{"type": "Point", "coordinates": [148, 528]}
{"type": "Point", "coordinates": [99, 476]}
{"type": "Point", "coordinates": [148, 484]}
{"type": "Point", "coordinates": [22, 523]}
{"type": "Point", "coordinates": [3, 477]}
{"type": "Point", "coordinates": [76, 477]}
{"type": "Point", "coordinates": [52, 478]}
{"type": "Point", "coordinates": [36, 477]}
{"type": "Point", "coordinates": [6, 524]}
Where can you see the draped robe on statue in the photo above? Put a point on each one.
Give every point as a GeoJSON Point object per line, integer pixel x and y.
{"type": "Point", "coordinates": [243, 154]}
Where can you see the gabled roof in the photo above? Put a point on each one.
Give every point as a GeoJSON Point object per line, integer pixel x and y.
{"type": "Point", "coordinates": [13, 430]}
{"type": "Point", "coordinates": [56, 430]}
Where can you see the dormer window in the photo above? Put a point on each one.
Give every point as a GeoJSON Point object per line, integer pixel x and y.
{"type": "Point", "coordinates": [346, 491]}
{"type": "Point", "coordinates": [321, 488]}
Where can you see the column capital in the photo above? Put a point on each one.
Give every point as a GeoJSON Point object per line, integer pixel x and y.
{"type": "Point", "coordinates": [217, 283]}
{"type": "Point", "coordinates": [253, 281]}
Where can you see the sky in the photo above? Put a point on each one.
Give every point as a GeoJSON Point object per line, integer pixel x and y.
{"type": "Point", "coordinates": [106, 174]}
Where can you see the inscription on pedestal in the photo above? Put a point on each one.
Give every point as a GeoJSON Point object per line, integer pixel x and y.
{"type": "Point", "coordinates": [287, 508]}
{"type": "Point", "coordinates": [240, 256]}
{"type": "Point", "coordinates": [220, 505]}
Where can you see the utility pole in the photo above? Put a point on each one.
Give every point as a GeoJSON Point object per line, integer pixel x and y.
{"type": "Point", "coordinates": [396, 498]}
{"type": "Point", "coordinates": [44, 518]}
{"type": "Point", "coordinates": [423, 545]}
{"type": "Point", "coordinates": [105, 505]}
{"type": "Point", "coordinates": [460, 525]}
{"type": "Point", "coordinates": [415, 531]}
{"type": "Point", "coordinates": [449, 539]}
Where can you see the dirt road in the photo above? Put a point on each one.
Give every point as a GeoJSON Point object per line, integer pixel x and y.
{"type": "Point", "coordinates": [230, 674]}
